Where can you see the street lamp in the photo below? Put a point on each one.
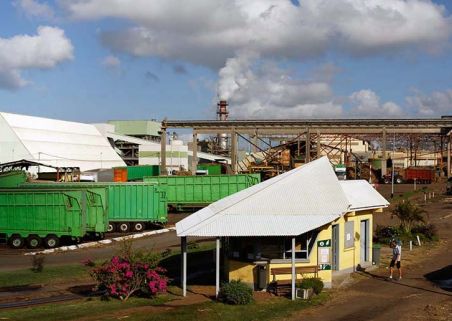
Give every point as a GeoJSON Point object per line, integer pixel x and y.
{"type": "Point", "coordinates": [392, 171]}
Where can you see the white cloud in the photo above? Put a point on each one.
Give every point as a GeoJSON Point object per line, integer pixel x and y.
{"type": "Point", "coordinates": [111, 62]}
{"type": "Point", "coordinates": [44, 50]}
{"type": "Point", "coordinates": [34, 8]}
{"type": "Point", "coordinates": [258, 88]}
{"type": "Point", "coordinates": [438, 103]}
{"type": "Point", "coordinates": [366, 103]}
{"type": "Point", "coordinates": [208, 32]}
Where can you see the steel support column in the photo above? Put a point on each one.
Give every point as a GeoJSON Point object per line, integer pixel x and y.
{"type": "Point", "coordinates": [308, 146]}
{"type": "Point", "coordinates": [383, 156]}
{"type": "Point", "coordinates": [255, 142]}
{"type": "Point", "coordinates": [234, 151]}
{"type": "Point", "coordinates": [319, 150]}
{"type": "Point", "coordinates": [194, 159]}
{"type": "Point", "coordinates": [183, 279]}
{"type": "Point", "coordinates": [163, 152]}
{"type": "Point", "coordinates": [294, 275]}
{"type": "Point", "coordinates": [217, 267]}
{"type": "Point", "coordinates": [448, 157]}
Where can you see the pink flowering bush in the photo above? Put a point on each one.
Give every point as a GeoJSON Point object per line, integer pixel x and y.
{"type": "Point", "coordinates": [121, 278]}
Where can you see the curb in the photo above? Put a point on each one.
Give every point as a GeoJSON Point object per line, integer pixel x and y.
{"type": "Point", "coordinates": [102, 242]}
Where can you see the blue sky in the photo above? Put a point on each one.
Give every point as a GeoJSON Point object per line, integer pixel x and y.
{"type": "Point", "coordinates": [336, 70]}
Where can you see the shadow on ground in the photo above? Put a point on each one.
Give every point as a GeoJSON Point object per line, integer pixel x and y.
{"type": "Point", "coordinates": [441, 277]}
{"type": "Point", "coordinates": [400, 283]}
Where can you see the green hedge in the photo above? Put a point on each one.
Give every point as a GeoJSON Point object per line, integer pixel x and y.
{"type": "Point", "coordinates": [236, 292]}
{"type": "Point", "coordinates": [315, 283]}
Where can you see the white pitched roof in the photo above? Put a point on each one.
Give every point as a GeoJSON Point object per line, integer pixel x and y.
{"type": "Point", "coordinates": [289, 204]}
{"type": "Point", "coordinates": [55, 142]}
{"type": "Point", "coordinates": [362, 195]}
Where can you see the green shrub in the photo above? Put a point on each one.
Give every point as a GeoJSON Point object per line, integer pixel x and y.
{"type": "Point", "coordinates": [429, 231]}
{"type": "Point", "coordinates": [236, 292]}
{"type": "Point", "coordinates": [315, 283]}
{"type": "Point", "coordinates": [37, 263]}
{"type": "Point", "coordinates": [408, 214]}
{"type": "Point", "coordinates": [384, 234]}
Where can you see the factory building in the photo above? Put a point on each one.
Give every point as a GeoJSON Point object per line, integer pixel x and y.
{"type": "Point", "coordinates": [91, 147]}
{"type": "Point", "coordinates": [55, 142]}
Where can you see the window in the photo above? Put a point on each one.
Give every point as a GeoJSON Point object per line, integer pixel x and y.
{"type": "Point", "coordinates": [303, 245]}
{"type": "Point", "coordinates": [271, 248]}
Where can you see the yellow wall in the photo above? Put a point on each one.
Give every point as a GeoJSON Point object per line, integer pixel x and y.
{"type": "Point", "coordinates": [241, 271]}
{"type": "Point", "coordinates": [348, 258]}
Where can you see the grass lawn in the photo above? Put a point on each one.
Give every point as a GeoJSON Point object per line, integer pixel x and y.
{"type": "Point", "coordinates": [141, 308]}
{"type": "Point", "coordinates": [50, 275]}
{"type": "Point", "coordinates": [79, 273]}
{"type": "Point", "coordinates": [76, 310]}
{"type": "Point", "coordinates": [155, 309]}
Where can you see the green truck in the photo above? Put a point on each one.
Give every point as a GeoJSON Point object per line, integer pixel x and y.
{"type": "Point", "coordinates": [199, 191]}
{"type": "Point", "coordinates": [35, 217]}
{"type": "Point", "coordinates": [131, 206]}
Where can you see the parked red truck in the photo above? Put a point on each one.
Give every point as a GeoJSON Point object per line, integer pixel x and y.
{"type": "Point", "coordinates": [422, 175]}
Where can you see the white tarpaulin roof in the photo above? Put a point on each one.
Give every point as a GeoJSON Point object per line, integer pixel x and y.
{"type": "Point", "coordinates": [362, 195]}
{"type": "Point", "coordinates": [293, 203]}
{"type": "Point", "coordinates": [55, 142]}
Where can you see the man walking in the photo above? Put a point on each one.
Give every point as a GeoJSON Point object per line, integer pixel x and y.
{"type": "Point", "coordinates": [396, 256]}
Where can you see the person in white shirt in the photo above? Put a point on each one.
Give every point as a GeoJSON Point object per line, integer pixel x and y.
{"type": "Point", "coordinates": [396, 257]}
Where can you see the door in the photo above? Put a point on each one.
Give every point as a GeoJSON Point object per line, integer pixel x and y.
{"type": "Point", "coordinates": [335, 247]}
{"type": "Point", "coordinates": [364, 241]}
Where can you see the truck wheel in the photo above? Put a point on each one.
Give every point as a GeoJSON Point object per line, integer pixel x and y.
{"type": "Point", "coordinates": [16, 242]}
{"type": "Point", "coordinates": [124, 227]}
{"type": "Point", "coordinates": [138, 226]}
{"type": "Point", "coordinates": [111, 227]}
{"type": "Point", "coordinates": [33, 241]}
{"type": "Point", "coordinates": [51, 241]}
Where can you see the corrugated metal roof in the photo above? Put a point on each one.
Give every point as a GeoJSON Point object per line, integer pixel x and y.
{"type": "Point", "coordinates": [57, 142]}
{"type": "Point", "coordinates": [362, 195]}
{"type": "Point", "coordinates": [289, 204]}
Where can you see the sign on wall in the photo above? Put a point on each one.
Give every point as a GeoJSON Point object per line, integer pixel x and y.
{"type": "Point", "coordinates": [349, 240]}
{"type": "Point", "coordinates": [324, 254]}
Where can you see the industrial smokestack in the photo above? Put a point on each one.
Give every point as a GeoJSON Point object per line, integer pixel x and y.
{"type": "Point", "coordinates": [222, 114]}
{"type": "Point", "coordinates": [222, 110]}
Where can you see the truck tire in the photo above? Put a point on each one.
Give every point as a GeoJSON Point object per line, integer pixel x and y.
{"type": "Point", "coordinates": [124, 227]}
{"type": "Point", "coordinates": [33, 241]}
{"type": "Point", "coordinates": [111, 227]}
{"type": "Point", "coordinates": [51, 241]}
{"type": "Point", "coordinates": [138, 226]}
{"type": "Point", "coordinates": [16, 242]}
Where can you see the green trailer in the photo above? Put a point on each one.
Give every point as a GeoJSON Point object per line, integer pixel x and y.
{"type": "Point", "coordinates": [33, 217]}
{"type": "Point", "coordinates": [200, 191]}
{"type": "Point", "coordinates": [12, 179]}
{"type": "Point", "coordinates": [136, 173]}
{"type": "Point", "coordinates": [131, 206]}
{"type": "Point", "coordinates": [211, 169]}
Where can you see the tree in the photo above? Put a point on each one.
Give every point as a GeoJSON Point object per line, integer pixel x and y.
{"type": "Point", "coordinates": [408, 214]}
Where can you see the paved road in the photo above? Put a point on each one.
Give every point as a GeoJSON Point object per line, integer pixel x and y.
{"type": "Point", "coordinates": [413, 298]}
{"type": "Point", "coordinates": [13, 259]}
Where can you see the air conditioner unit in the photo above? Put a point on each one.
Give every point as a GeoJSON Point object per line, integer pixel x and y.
{"type": "Point", "coordinates": [304, 294]}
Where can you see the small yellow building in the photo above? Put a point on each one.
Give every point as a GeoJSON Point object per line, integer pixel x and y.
{"type": "Point", "coordinates": [302, 223]}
